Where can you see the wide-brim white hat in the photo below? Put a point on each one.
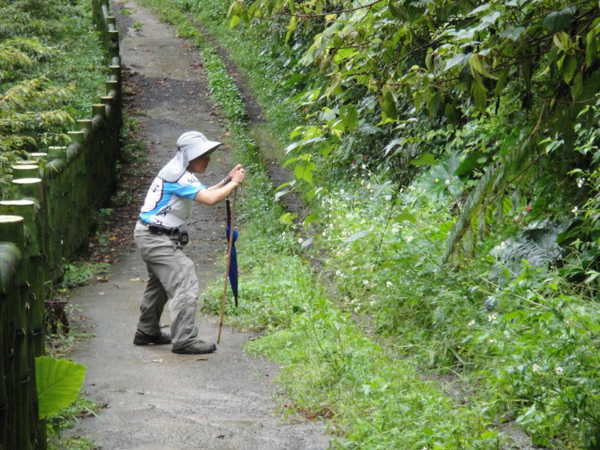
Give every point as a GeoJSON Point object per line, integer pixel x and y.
{"type": "Point", "coordinates": [190, 145]}
{"type": "Point", "coordinates": [195, 144]}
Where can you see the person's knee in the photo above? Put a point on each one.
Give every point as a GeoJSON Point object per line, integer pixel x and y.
{"type": "Point", "coordinates": [184, 303]}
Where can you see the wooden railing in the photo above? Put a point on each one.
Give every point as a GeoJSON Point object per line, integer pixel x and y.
{"type": "Point", "coordinates": [46, 220]}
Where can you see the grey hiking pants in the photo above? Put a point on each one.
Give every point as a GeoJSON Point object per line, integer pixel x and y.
{"type": "Point", "coordinates": [171, 280]}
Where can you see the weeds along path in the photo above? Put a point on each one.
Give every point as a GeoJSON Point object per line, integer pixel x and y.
{"type": "Point", "coordinates": [156, 399]}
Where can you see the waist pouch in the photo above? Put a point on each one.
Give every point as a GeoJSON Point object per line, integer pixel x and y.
{"type": "Point", "coordinates": [177, 234]}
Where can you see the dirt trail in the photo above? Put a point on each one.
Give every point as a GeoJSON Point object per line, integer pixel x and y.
{"type": "Point", "coordinates": [156, 399]}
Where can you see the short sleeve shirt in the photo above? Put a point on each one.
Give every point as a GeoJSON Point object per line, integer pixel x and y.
{"type": "Point", "coordinates": [170, 204]}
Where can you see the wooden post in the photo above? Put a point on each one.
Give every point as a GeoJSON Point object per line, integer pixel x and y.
{"type": "Point", "coordinates": [38, 155]}
{"type": "Point", "coordinates": [57, 152]}
{"type": "Point", "coordinates": [28, 188]}
{"type": "Point", "coordinates": [29, 210]}
{"type": "Point", "coordinates": [85, 126]}
{"type": "Point", "coordinates": [12, 230]}
{"type": "Point", "coordinates": [10, 263]}
{"type": "Point", "coordinates": [25, 171]}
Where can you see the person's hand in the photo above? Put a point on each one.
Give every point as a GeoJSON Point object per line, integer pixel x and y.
{"type": "Point", "coordinates": [238, 174]}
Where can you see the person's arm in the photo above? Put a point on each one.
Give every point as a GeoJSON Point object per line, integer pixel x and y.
{"type": "Point", "coordinates": [219, 192]}
{"type": "Point", "coordinates": [229, 177]}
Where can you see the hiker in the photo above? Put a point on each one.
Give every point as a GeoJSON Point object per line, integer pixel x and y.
{"type": "Point", "coordinates": [160, 236]}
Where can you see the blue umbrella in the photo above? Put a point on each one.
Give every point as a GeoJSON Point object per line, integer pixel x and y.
{"type": "Point", "coordinates": [233, 268]}
{"type": "Point", "coordinates": [231, 261]}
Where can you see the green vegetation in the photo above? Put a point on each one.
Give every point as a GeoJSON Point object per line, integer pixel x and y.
{"type": "Point", "coordinates": [58, 382]}
{"type": "Point", "coordinates": [51, 71]}
{"type": "Point", "coordinates": [442, 292]}
{"type": "Point", "coordinates": [67, 418]}
{"type": "Point", "coordinates": [448, 152]}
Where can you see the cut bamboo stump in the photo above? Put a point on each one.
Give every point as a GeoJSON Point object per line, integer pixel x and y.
{"type": "Point", "coordinates": [25, 171]}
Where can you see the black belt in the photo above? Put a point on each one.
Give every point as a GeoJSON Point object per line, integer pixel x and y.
{"type": "Point", "coordinates": [159, 229]}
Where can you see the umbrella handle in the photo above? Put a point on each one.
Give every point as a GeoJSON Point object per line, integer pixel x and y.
{"type": "Point", "coordinates": [229, 248]}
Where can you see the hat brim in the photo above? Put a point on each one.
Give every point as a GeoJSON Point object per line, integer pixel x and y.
{"type": "Point", "coordinates": [204, 149]}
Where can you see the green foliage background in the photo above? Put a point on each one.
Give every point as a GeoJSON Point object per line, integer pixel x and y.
{"type": "Point", "coordinates": [42, 93]}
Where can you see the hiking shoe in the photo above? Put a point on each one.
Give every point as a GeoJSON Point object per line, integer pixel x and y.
{"type": "Point", "coordinates": [142, 338]}
{"type": "Point", "coordinates": [196, 348]}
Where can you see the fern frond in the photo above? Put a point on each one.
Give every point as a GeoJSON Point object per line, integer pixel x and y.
{"type": "Point", "coordinates": [34, 94]}
{"type": "Point", "coordinates": [537, 245]}
{"type": "Point", "coordinates": [34, 121]}
{"type": "Point", "coordinates": [11, 58]}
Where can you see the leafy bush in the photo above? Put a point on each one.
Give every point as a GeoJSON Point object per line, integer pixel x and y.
{"type": "Point", "coordinates": [40, 93]}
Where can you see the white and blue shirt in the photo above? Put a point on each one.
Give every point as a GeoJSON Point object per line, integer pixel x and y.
{"type": "Point", "coordinates": [170, 204]}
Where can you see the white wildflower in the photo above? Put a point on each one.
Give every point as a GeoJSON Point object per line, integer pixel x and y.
{"type": "Point", "coordinates": [471, 323]}
{"type": "Point", "coordinates": [447, 181]}
{"type": "Point", "coordinates": [389, 284]}
{"type": "Point", "coordinates": [535, 368]}
{"type": "Point", "coordinates": [558, 370]}
{"type": "Point", "coordinates": [300, 240]}
{"type": "Point", "coordinates": [492, 317]}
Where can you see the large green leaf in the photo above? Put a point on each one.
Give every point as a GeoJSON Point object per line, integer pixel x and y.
{"type": "Point", "coordinates": [469, 164]}
{"type": "Point", "coordinates": [349, 115]}
{"type": "Point", "coordinates": [559, 20]}
{"type": "Point", "coordinates": [424, 159]}
{"type": "Point", "coordinates": [58, 382]}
